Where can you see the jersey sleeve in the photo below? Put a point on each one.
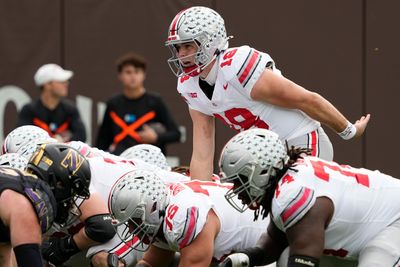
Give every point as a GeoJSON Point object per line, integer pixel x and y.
{"type": "Point", "coordinates": [290, 203]}
{"type": "Point", "coordinates": [243, 66]}
{"type": "Point", "coordinates": [186, 223]}
{"type": "Point", "coordinates": [192, 104]}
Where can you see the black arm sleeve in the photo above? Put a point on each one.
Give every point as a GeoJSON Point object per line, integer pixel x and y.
{"type": "Point", "coordinates": [25, 116]}
{"type": "Point", "coordinates": [77, 128]}
{"type": "Point", "coordinates": [104, 135]}
{"type": "Point", "coordinates": [28, 255]}
{"type": "Point", "coordinates": [172, 133]}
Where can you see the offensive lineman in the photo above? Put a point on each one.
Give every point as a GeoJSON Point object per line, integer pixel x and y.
{"type": "Point", "coordinates": [106, 170]}
{"type": "Point", "coordinates": [191, 218]}
{"type": "Point", "coordinates": [242, 87]}
{"type": "Point", "coordinates": [317, 207]}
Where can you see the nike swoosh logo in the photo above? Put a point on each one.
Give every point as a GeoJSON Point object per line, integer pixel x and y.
{"type": "Point", "coordinates": [225, 86]}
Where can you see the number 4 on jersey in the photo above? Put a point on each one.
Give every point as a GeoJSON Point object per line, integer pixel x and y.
{"type": "Point", "coordinates": [320, 172]}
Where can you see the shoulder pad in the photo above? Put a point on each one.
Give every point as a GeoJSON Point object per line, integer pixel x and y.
{"type": "Point", "coordinates": [40, 195]}
{"type": "Point", "coordinates": [184, 221]}
{"type": "Point", "coordinates": [244, 65]}
{"type": "Point", "coordinates": [291, 202]}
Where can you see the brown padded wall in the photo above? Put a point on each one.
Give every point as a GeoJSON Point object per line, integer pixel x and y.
{"type": "Point", "coordinates": [315, 44]}
{"type": "Point", "coordinates": [326, 46]}
{"type": "Point", "coordinates": [382, 85]}
{"type": "Point", "coordinates": [97, 33]}
{"type": "Point", "coordinates": [29, 38]}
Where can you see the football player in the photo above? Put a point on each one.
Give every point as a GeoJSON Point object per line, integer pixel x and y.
{"type": "Point", "coordinates": [31, 200]}
{"type": "Point", "coordinates": [242, 87]}
{"type": "Point", "coordinates": [148, 153]}
{"type": "Point", "coordinates": [105, 172]}
{"type": "Point", "coordinates": [316, 207]}
{"type": "Point", "coordinates": [191, 218]}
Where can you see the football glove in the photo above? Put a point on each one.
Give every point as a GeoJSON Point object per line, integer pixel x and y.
{"type": "Point", "coordinates": [236, 260]}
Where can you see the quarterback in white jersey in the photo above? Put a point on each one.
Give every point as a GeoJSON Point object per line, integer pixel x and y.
{"type": "Point", "coordinates": [242, 87]}
{"type": "Point", "coordinates": [319, 208]}
{"type": "Point", "coordinates": [192, 218]}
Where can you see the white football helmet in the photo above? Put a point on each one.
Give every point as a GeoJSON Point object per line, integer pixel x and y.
{"type": "Point", "coordinates": [248, 161]}
{"type": "Point", "coordinates": [21, 136]}
{"type": "Point", "coordinates": [200, 25]}
{"type": "Point", "coordinates": [13, 160]}
{"type": "Point", "coordinates": [137, 202]}
{"type": "Point", "coordinates": [147, 153]}
{"type": "Point", "coordinates": [28, 149]}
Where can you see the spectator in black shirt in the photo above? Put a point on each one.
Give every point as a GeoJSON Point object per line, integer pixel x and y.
{"type": "Point", "coordinates": [136, 116]}
{"type": "Point", "coordinates": [52, 112]}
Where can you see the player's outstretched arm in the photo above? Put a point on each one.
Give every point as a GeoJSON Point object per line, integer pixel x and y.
{"type": "Point", "coordinates": [156, 256]}
{"type": "Point", "coordinates": [306, 237]}
{"type": "Point", "coordinates": [17, 213]}
{"type": "Point", "coordinates": [279, 91]}
{"type": "Point", "coordinates": [201, 164]}
{"type": "Point", "coordinates": [201, 250]}
{"type": "Point", "coordinates": [268, 249]}
{"type": "Point", "coordinates": [98, 229]}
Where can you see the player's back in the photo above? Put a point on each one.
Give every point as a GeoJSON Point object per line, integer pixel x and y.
{"type": "Point", "coordinates": [365, 201]}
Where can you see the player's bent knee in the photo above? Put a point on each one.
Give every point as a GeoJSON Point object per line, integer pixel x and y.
{"type": "Point", "coordinates": [99, 228]}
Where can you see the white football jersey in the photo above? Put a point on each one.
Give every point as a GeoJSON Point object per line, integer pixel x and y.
{"type": "Point", "coordinates": [90, 152]}
{"type": "Point", "coordinates": [238, 70]}
{"type": "Point", "coordinates": [187, 213]}
{"type": "Point", "coordinates": [365, 202]}
{"type": "Point", "coordinates": [106, 171]}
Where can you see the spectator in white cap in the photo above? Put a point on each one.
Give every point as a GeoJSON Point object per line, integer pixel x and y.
{"type": "Point", "coordinates": [52, 112]}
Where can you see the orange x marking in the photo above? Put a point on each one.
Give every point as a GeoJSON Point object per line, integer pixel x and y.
{"type": "Point", "coordinates": [46, 127]}
{"type": "Point", "coordinates": [130, 129]}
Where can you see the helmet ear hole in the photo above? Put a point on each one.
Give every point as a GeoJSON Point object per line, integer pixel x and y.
{"type": "Point", "coordinates": [154, 207]}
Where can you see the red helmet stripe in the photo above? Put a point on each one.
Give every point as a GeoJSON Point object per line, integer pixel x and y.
{"type": "Point", "coordinates": [175, 23]}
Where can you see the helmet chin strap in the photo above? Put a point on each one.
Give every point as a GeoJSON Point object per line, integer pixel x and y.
{"type": "Point", "coordinates": [212, 74]}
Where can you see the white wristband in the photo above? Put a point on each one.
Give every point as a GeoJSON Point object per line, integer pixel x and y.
{"type": "Point", "coordinates": [349, 132]}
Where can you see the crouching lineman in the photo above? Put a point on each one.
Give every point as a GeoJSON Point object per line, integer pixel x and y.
{"type": "Point", "coordinates": [105, 173]}
{"type": "Point", "coordinates": [31, 200]}
{"type": "Point", "coordinates": [316, 207]}
{"type": "Point", "coordinates": [192, 218]}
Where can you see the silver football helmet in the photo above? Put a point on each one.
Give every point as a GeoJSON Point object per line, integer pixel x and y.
{"type": "Point", "coordinates": [28, 149]}
{"type": "Point", "coordinates": [203, 26]}
{"type": "Point", "coordinates": [137, 203]}
{"type": "Point", "coordinates": [149, 154]}
{"type": "Point", "coordinates": [21, 136]}
{"type": "Point", "coordinates": [248, 161]}
{"type": "Point", "coordinates": [13, 160]}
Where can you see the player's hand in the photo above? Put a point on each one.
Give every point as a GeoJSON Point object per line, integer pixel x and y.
{"type": "Point", "coordinates": [57, 250]}
{"type": "Point", "coordinates": [105, 259]}
{"type": "Point", "coordinates": [148, 135]}
{"type": "Point", "coordinates": [235, 260]}
{"type": "Point", "coordinates": [361, 124]}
